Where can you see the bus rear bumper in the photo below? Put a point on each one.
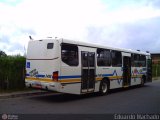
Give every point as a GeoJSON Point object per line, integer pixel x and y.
{"type": "Point", "coordinates": [51, 86]}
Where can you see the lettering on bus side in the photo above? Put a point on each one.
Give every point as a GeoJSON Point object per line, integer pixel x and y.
{"type": "Point", "coordinates": [33, 73]}
{"type": "Point", "coordinates": [48, 76]}
{"type": "Point", "coordinates": [99, 75]}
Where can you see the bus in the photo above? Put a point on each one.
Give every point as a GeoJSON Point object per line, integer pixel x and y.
{"type": "Point", "coordinates": [68, 66]}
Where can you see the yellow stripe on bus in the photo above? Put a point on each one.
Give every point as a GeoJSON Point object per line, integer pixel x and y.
{"type": "Point", "coordinates": [69, 80]}
{"type": "Point", "coordinates": [75, 80]}
{"type": "Point", "coordinates": [50, 80]}
{"type": "Point", "coordinates": [136, 76]}
{"type": "Point", "coordinates": [110, 77]}
{"type": "Point", "coordinates": [99, 78]}
{"type": "Point", "coordinates": [117, 77]}
{"type": "Point", "coordinates": [39, 79]}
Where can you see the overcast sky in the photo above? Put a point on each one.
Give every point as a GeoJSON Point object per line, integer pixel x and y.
{"type": "Point", "coordinates": [131, 24]}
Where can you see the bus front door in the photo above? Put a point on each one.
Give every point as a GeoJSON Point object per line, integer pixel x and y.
{"type": "Point", "coordinates": [88, 71]}
{"type": "Point", "coordinates": [149, 70]}
{"type": "Point", "coordinates": [126, 71]}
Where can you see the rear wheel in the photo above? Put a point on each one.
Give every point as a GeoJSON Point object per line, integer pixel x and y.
{"type": "Point", "coordinates": [104, 87]}
{"type": "Point", "coordinates": [142, 81]}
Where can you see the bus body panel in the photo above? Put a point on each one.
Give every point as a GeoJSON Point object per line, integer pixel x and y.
{"type": "Point", "coordinates": [117, 78]}
{"type": "Point", "coordinates": [41, 63]}
{"type": "Point", "coordinates": [136, 75]}
{"type": "Point", "coordinates": [71, 80]}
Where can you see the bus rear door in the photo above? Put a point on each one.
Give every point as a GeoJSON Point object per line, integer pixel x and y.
{"type": "Point", "coordinates": [88, 71]}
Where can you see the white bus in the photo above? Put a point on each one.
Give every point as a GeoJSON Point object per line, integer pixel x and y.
{"type": "Point", "coordinates": [78, 68]}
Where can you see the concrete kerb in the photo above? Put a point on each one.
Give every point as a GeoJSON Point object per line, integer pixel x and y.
{"type": "Point", "coordinates": [22, 93]}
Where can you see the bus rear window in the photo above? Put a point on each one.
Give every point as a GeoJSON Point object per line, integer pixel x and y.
{"type": "Point", "coordinates": [50, 46]}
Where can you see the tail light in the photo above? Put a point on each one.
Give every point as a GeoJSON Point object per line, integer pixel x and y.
{"type": "Point", "coordinates": [55, 76]}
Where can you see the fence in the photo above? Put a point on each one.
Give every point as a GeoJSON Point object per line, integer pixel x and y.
{"type": "Point", "coordinates": [12, 72]}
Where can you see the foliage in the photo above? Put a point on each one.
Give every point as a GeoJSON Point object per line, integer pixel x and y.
{"type": "Point", "coordinates": [12, 72]}
{"type": "Point", "coordinates": [2, 54]}
{"type": "Point", "coordinates": [156, 70]}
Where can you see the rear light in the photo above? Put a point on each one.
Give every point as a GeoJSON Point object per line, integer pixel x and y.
{"type": "Point", "coordinates": [55, 76]}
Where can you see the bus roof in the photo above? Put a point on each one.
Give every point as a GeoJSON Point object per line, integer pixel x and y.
{"type": "Point", "coordinates": [102, 46]}
{"type": "Point", "coordinates": [87, 44]}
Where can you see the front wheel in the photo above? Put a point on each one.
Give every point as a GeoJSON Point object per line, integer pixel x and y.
{"type": "Point", "coordinates": [104, 87]}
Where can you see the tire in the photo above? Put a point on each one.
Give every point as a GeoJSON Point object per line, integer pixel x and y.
{"type": "Point", "coordinates": [142, 81]}
{"type": "Point", "coordinates": [104, 87]}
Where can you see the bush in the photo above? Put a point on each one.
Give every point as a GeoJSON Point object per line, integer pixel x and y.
{"type": "Point", "coordinates": [2, 54]}
{"type": "Point", "coordinates": [156, 70]}
{"type": "Point", "coordinates": [12, 72]}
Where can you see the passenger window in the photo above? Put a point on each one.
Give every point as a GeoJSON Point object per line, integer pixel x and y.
{"type": "Point", "coordinates": [132, 60]}
{"type": "Point", "coordinates": [143, 60]}
{"type": "Point", "coordinates": [116, 59]}
{"type": "Point", "coordinates": [138, 60]}
{"type": "Point", "coordinates": [103, 57]}
{"type": "Point", "coordinates": [50, 46]}
{"type": "Point", "coordinates": [69, 54]}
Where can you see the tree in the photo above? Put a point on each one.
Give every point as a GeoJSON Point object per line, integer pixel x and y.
{"type": "Point", "coordinates": [2, 54]}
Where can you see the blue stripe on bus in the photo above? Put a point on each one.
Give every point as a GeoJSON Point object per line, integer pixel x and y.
{"type": "Point", "coordinates": [27, 75]}
{"type": "Point", "coordinates": [60, 77]}
{"type": "Point", "coordinates": [39, 75]}
{"type": "Point", "coordinates": [74, 76]}
{"type": "Point", "coordinates": [106, 75]}
{"type": "Point", "coordinates": [77, 76]}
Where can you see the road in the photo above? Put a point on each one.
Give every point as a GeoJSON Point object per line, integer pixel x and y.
{"type": "Point", "coordinates": [134, 100]}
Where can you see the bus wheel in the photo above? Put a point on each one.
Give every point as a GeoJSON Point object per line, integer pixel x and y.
{"type": "Point", "coordinates": [104, 87]}
{"type": "Point", "coordinates": [142, 81]}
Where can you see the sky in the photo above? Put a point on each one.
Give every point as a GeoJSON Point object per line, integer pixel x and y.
{"type": "Point", "coordinates": [130, 24]}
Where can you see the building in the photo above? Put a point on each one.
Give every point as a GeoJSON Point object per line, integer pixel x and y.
{"type": "Point", "coordinates": [155, 58]}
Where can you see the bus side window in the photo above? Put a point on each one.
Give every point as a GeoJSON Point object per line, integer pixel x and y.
{"type": "Point", "coordinates": [103, 57]}
{"type": "Point", "coordinates": [135, 59]}
{"type": "Point", "coordinates": [132, 60]}
{"type": "Point", "coordinates": [138, 60]}
{"type": "Point", "coordinates": [116, 58]}
{"type": "Point", "coordinates": [69, 54]}
{"type": "Point", "coordinates": [143, 60]}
